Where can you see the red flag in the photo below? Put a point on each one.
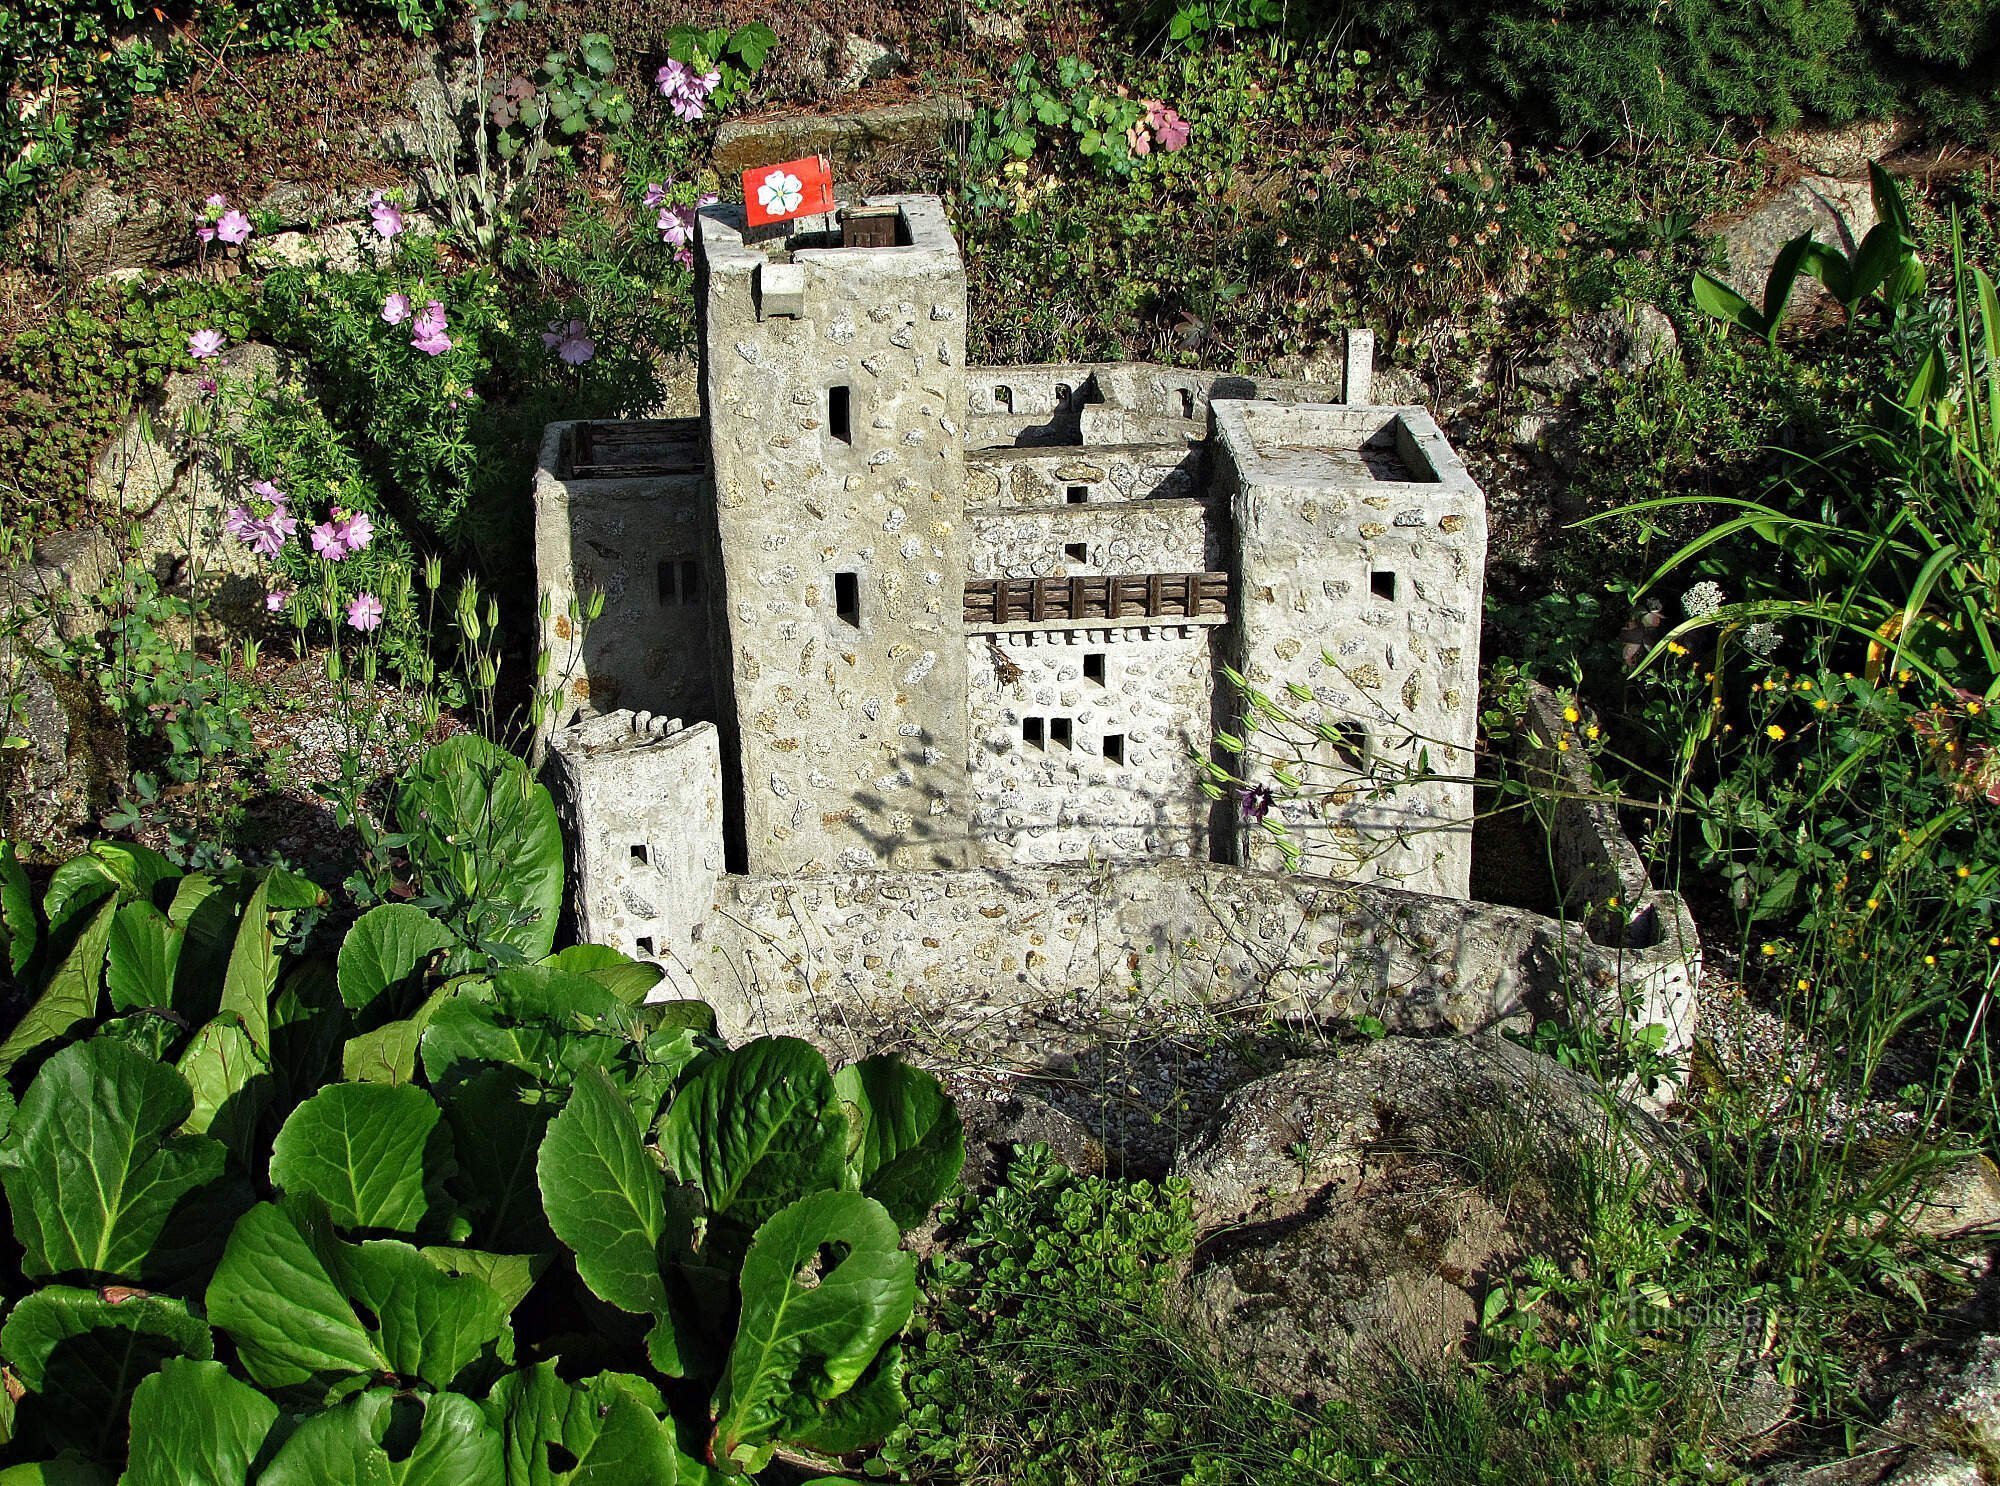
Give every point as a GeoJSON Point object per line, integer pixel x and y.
{"type": "Point", "coordinates": [795, 188]}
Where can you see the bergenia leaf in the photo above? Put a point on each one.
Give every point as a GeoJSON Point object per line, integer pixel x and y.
{"type": "Point", "coordinates": [375, 1154]}
{"type": "Point", "coordinates": [191, 1421]}
{"type": "Point", "coordinates": [907, 1144]}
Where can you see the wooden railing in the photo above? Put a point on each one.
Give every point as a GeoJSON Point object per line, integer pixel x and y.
{"type": "Point", "coordinates": [1134, 599]}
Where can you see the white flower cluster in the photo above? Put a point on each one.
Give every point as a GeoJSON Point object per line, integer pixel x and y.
{"type": "Point", "coordinates": [1701, 600]}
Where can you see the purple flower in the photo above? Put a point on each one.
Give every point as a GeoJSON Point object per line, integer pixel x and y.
{"type": "Point", "coordinates": [268, 491]}
{"type": "Point", "coordinates": [364, 612]}
{"type": "Point", "coordinates": [686, 90]}
{"type": "Point", "coordinates": [684, 257]}
{"type": "Point", "coordinates": [386, 216]}
{"type": "Point", "coordinates": [427, 335]}
{"type": "Point", "coordinates": [207, 385]}
{"type": "Point", "coordinates": [356, 532]}
{"type": "Point", "coordinates": [396, 308]}
{"type": "Point", "coordinates": [213, 208]}
{"type": "Point", "coordinates": [204, 344]}
{"type": "Point", "coordinates": [656, 193]}
{"type": "Point", "coordinates": [677, 225]}
{"type": "Point", "coordinates": [1254, 801]}
{"type": "Point", "coordinates": [572, 342]}
{"type": "Point", "coordinates": [238, 523]}
{"type": "Point", "coordinates": [205, 233]}
{"type": "Point", "coordinates": [328, 542]}
{"type": "Point", "coordinates": [233, 227]}
{"type": "Point", "coordinates": [1172, 129]}
{"type": "Point", "coordinates": [217, 204]}
{"type": "Point", "coordinates": [277, 598]}
{"type": "Point", "coordinates": [264, 525]}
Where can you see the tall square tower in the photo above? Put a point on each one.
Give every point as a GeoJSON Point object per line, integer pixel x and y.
{"type": "Point", "coordinates": [834, 384]}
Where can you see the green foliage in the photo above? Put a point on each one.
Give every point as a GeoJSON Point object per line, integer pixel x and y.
{"type": "Point", "coordinates": [393, 1286]}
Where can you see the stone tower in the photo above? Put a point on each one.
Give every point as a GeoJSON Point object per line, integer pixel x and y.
{"type": "Point", "coordinates": [833, 384]}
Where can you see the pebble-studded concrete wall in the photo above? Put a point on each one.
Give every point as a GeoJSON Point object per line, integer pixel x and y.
{"type": "Point", "coordinates": [642, 543]}
{"type": "Point", "coordinates": [1020, 967]}
{"type": "Point", "coordinates": [641, 800]}
{"type": "Point", "coordinates": [1082, 743]}
{"type": "Point", "coordinates": [834, 385]}
{"type": "Point", "coordinates": [999, 478]}
{"type": "Point", "coordinates": [1159, 536]}
{"type": "Point", "coordinates": [1361, 549]}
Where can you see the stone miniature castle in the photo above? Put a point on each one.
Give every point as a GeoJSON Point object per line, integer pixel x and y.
{"type": "Point", "coordinates": [949, 617]}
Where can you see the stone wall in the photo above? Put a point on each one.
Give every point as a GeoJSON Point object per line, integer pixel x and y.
{"type": "Point", "coordinates": [1155, 536]}
{"type": "Point", "coordinates": [1002, 478]}
{"type": "Point", "coordinates": [1361, 546]}
{"type": "Point", "coordinates": [1082, 743]}
{"type": "Point", "coordinates": [641, 805]}
{"type": "Point", "coordinates": [1027, 967]}
{"type": "Point", "coordinates": [833, 382]}
{"type": "Point", "coordinates": [645, 544]}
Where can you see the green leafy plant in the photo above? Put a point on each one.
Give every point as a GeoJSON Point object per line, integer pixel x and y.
{"type": "Point", "coordinates": [286, 1220]}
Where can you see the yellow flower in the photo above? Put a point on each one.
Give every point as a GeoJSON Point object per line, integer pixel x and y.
{"type": "Point", "coordinates": [1930, 959]}
{"type": "Point", "coordinates": [1562, 745]}
{"type": "Point", "coordinates": [1805, 683]}
{"type": "Point", "coordinates": [1675, 647]}
{"type": "Point", "coordinates": [1972, 709]}
{"type": "Point", "coordinates": [1591, 732]}
{"type": "Point", "coordinates": [1994, 942]}
{"type": "Point", "coordinates": [1769, 684]}
{"type": "Point", "coordinates": [1770, 949]}
{"type": "Point", "coordinates": [1904, 674]}
{"type": "Point", "coordinates": [1867, 855]}
{"type": "Point", "coordinates": [1964, 871]}
{"type": "Point", "coordinates": [1873, 904]}
{"type": "Point", "coordinates": [1820, 704]}
{"type": "Point", "coordinates": [1804, 984]}
{"type": "Point", "coordinates": [1775, 733]}
{"type": "Point", "coordinates": [1570, 714]}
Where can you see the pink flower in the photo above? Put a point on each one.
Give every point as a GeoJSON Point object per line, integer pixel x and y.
{"type": "Point", "coordinates": [1138, 140]}
{"type": "Point", "coordinates": [217, 204]}
{"type": "Point", "coordinates": [277, 598]}
{"type": "Point", "coordinates": [204, 344]}
{"type": "Point", "coordinates": [328, 542]}
{"type": "Point", "coordinates": [684, 257]}
{"type": "Point", "coordinates": [364, 612]}
{"type": "Point", "coordinates": [238, 523]}
{"type": "Point", "coordinates": [685, 89]}
{"type": "Point", "coordinates": [707, 198]}
{"type": "Point", "coordinates": [207, 385]}
{"type": "Point", "coordinates": [205, 233]}
{"type": "Point", "coordinates": [356, 532]}
{"type": "Point", "coordinates": [233, 227]}
{"type": "Point", "coordinates": [655, 194]}
{"type": "Point", "coordinates": [396, 308]}
{"type": "Point", "coordinates": [386, 217]}
{"type": "Point", "coordinates": [265, 526]}
{"type": "Point", "coordinates": [1172, 129]}
{"type": "Point", "coordinates": [677, 225]}
{"type": "Point", "coordinates": [572, 342]}
{"type": "Point", "coordinates": [269, 492]}
{"type": "Point", "coordinates": [213, 208]}
{"type": "Point", "coordinates": [427, 335]}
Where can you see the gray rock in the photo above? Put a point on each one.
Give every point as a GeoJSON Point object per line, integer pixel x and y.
{"type": "Point", "coordinates": [998, 1119]}
{"type": "Point", "coordinates": [1845, 149]}
{"type": "Point", "coordinates": [866, 61]}
{"type": "Point", "coordinates": [1964, 1198]}
{"type": "Point", "coordinates": [1356, 1206]}
{"type": "Point", "coordinates": [1625, 340]}
{"type": "Point", "coordinates": [847, 138]}
{"type": "Point", "coordinates": [996, 25]}
{"type": "Point", "coordinates": [1952, 1401]}
{"type": "Point", "coordinates": [1838, 213]}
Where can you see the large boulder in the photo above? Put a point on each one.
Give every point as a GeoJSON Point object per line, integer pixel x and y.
{"type": "Point", "coordinates": [1357, 1206]}
{"type": "Point", "coordinates": [1836, 212]}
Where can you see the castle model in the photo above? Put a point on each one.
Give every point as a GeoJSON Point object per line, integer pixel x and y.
{"type": "Point", "coordinates": [881, 611]}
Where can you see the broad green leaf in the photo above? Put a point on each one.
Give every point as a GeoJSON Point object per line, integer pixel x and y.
{"type": "Point", "coordinates": [204, 910]}
{"type": "Point", "coordinates": [907, 1143]}
{"type": "Point", "coordinates": [600, 1432]}
{"type": "Point", "coordinates": [20, 925]}
{"type": "Point", "coordinates": [67, 1469]}
{"type": "Point", "coordinates": [143, 951]}
{"type": "Point", "coordinates": [804, 1342]}
{"type": "Point", "coordinates": [94, 1174]}
{"type": "Point", "coordinates": [541, 1021]}
{"type": "Point", "coordinates": [627, 979]}
{"type": "Point", "coordinates": [154, 1033]}
{"type": "Point", "coordinates": [231, 1084]}
{"type": "Point", "coordinates": [253, 972]}
{"type": "Point", "coordinates": [756, 1128]}
{"type": "Point", "coordinates": [510, 1276]}
{"type": "Point", "coordinates": [444, 1440]}
{"type": "Point", "coordinates": [275, 1294]}
{"type": "Point", "coordinates": [193, 1423]}
{"type": "Point", "coordinates": [484, 837]}
{"type": "Point", "coordinates": [290, 890]}
{"type": "Point", "coordinates": [1717, 300]}
{"type": "Point", "coordinates": [498, 1127]}
{"type": "Point", "coordinates": [382, 957]}
{"type": "Point", "coordinates": [861, 1417]}
{"type": "Point", "coordinates": [603, 1196]}
{"type": "Point", "coordinates": [388, 1054]}
{"type": "Point", "coordinates": [371, 1152]}
{"type": "Point", "coordinates": [71, 994]}
{"type": "Point", "coordinates": [81, 1356]}
{"type": "Point", "coordinates": [114, 867]}
{"type": "Point", "coordinates": [308, 1026]}
{"type": "Point", "coordinates": [429, 1325]}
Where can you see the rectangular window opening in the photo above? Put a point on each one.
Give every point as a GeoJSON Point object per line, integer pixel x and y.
{"type": "Point", "coordinates": [1093, 667]}
{"type": "Point", "coordinates": [644, 944]}
{"type": "Point", "coordinates": [1003, 399]}
{"type": "Point", "coordinates": [690, 582]}
{"type": "Point", "coordinates": [1076, 551]}
{"type": "Point", "coordinates": [666, 580]}
{"type": "Point", "coordinates": [840, 413]}
{"type": "Point", "coordinates": [1114, 748]}
{"type": "Point", "coordinates": [640, 854]}
{"type": "Point", "coordinates": [1031, 731]}
{"type": "Point", "coordinates": [1059, 732]}
{"type": "Point", "coordinates": [1078, 494]}
{"type": "Point", "coordinates": [1187, 403]}
{"type": "Point", "coordinates": [1348, 743]}
{"type": "Point", "coordinates": [847, 597]}
{"type": "Point", "coordinates": [1382, 585]}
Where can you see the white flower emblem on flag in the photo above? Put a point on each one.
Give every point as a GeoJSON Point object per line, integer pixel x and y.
{"type": "Point", "coordinates": [780, 194]}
